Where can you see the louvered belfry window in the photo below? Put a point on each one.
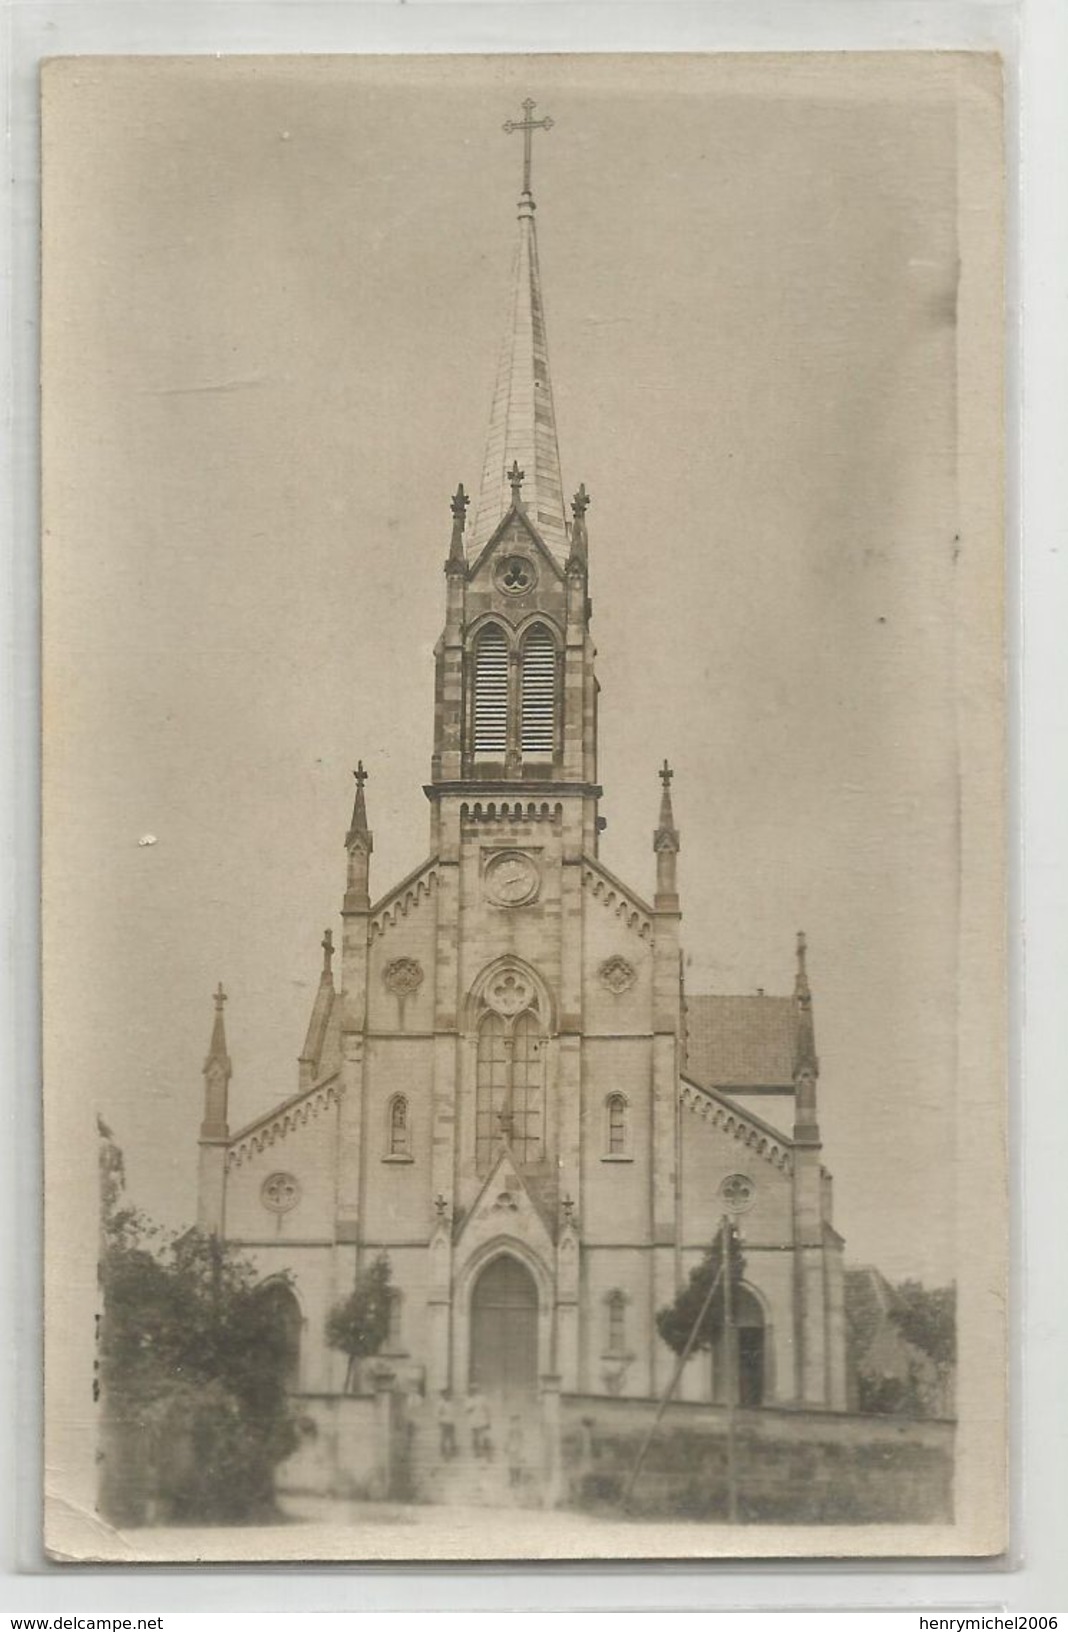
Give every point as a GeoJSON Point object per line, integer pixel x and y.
{"type": "Point", "coordinates": [538, 731]}
{"type": "Point", "coordinates": [491, 694]}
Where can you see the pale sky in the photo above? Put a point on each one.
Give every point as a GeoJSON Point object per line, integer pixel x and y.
{"type": "Point", "coordinates": [274, 298]}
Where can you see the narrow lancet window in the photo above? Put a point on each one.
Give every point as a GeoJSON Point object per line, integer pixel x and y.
{"type": "Point", "coordinates": [616, 1125]}
{"type": "Point", "coordinates": [399, 1131]}
{"type": "Point", "coordinates": [538, 728]}
{"type": "Point", "coordinates": [491, 694]}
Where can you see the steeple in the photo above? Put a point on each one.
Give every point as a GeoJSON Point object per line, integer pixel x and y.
{"type": "Point", "coordinates": [806, 1063]}
{"type": "Point", "coordinates": [218, 1070]}
{"type": "Point", "coordinates": [666, 845]}
{"type": "Point", "coordinates": [359, 842]}
{"type": "Point", "coordinates": [522, 432]}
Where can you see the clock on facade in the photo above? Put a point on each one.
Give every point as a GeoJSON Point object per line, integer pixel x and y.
{"type": "Point", "coordinates": [511, 879]}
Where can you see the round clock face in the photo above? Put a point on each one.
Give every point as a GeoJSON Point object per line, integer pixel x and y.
{"type": "Point", "coordinates": [511, 879]}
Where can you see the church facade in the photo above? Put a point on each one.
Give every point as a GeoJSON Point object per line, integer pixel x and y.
{"type": "Point", "coordinates": [505, 1086]}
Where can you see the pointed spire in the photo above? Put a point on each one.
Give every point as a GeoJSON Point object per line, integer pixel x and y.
{"type": "Point", "coordinates": [666, 846]}
{"type": "Point", "coordinates": [667, 833]}
{"type": "Point", "coordinates": [359, 842]}
{"type": "Point", "coordinates": [522, 432]}
{"type": "Point", "coordinates": [217, 1072]}
{"type": "Point", "coordinates": [358, 826]}
{"type": "Point", "coordinates": [805, 1034]}
{"type": "Point", "coordinates": [459, 504]}
{"type": "Point", "coordinates": [806, 1063]}
{"type": "Point", "coordinates": [217, 1047]}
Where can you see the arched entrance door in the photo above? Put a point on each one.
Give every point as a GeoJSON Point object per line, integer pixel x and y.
{"type": "Point", "coordinates": [284, 1328]}
{"type": "Point", "coordinates": [504, 1330]}
{"type": "Point", "coordinates": [745, 1378]}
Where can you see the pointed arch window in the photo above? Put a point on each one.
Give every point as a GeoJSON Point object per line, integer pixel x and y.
{"type": "Point", "coordinates": [394, 1343]}
{"type": "Point", "coordinates": [616, 1322]}
{"type": "Point", "coordinates": [538, 692]}
{"type": "Point", "coordinates": [616, 1129]}
{"type": "Point", "coordinates": [398, 1130]}
{"type": "Point", "coordinates": [509, 1090]}
{"type": "Point", "coordinates": [491, 694]}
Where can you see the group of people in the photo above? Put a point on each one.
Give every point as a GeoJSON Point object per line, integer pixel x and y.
{"type": "Point", "coordinates": [479, 1418]}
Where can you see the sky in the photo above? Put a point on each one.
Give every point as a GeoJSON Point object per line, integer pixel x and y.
{"type": "Point", "coordinates": [274, 295]}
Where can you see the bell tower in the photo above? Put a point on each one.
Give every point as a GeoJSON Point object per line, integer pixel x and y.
{"type": "Point", "coordinates": [516, 692]}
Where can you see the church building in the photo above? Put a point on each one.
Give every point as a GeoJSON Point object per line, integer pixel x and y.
{"type": "Point", "coordinates": [505, 1085]}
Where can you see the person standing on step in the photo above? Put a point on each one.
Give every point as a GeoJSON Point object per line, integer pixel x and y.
{"type": "Point", "coordinates": [513, 1448]}
{"type": "Point", "coordinates": [478, 1414]}
{"type": "Point", "coordinates": [447, 1425]}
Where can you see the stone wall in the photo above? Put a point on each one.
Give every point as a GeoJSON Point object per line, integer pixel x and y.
{"type": "Point", "coordinates": [347, 1449]}
{"type": "Point", "coordinates": [803, 1467]}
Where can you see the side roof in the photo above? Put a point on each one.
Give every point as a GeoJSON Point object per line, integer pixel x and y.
{"type": "Point", "coordinates": [741, 1042]}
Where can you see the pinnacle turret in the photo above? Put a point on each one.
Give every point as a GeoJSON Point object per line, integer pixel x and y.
{"type": "Point", "coordinates": [666, 845]}
{"type": "Point", "coordinates": [359, 842]}
{"type": "Point", "coordinates": [217, 1072]}
{"type": "Point", "coordinates": [806, 1062]}
{"type": "Point", "coordinates": [460, 502]}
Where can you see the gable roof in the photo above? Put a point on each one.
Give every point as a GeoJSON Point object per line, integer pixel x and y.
{"type": "Point", "coordinates": [741, 1042]}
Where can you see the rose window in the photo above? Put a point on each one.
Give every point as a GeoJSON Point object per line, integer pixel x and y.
{"type": "Point", "coordinates": [280, 1192]}
{"type": "Point", "coordinates": [738, 1192]}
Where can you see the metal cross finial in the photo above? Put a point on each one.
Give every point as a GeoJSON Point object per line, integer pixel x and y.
{"type": "Point", "coordinates": [666, 773]}
{"type": "Point", "coordinates": [528, 126]}
{"type": "Point", "coordinates": [360, 774]}
{"type": "Point", "coordinates": [460, 501]}
{"type": "Point", "coordinates": [220, 998]}
{"type": "Point", "coordinates": [515, 478]}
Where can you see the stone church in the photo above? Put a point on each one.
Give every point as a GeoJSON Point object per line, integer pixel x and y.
{"type": "Point", "coordinates": [505, 1086]}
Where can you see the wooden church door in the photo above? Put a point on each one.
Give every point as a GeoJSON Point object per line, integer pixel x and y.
{"type": "Point", "coordinates": [504, 1330]}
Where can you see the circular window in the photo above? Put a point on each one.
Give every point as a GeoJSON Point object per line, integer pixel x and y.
{"type": "Point", "coordinates": [280, 1192]}
{"type": "Point", "coordinates": [515, 574]}
{"type": "Point", "coordinates": [738, 1192]}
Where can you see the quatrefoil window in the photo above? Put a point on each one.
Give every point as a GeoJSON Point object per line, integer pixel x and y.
{"type": "Point", "coordinates": [516, 574]}
{"type": "Point", "coordinates": [280, 1192]}
{"type": "Point", "coordinates": [738, 1192]}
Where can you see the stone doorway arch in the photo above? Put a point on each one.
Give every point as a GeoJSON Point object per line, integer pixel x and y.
{"type": "Point", "coordinates": [503, 1351]}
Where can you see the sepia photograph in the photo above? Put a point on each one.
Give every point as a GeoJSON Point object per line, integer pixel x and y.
{"type": "Point", "coordinates": [523, 907]}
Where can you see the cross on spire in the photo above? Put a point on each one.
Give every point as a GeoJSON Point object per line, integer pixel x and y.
{"type": "Point", "coordinates": [327, 944]}
{"type": "Point", "coordinates": [515, 479]}
{"type": "Point", "coordinates": [360, 775]}
{"type": "Point", "coordinates": [528, 125]}
{"type": "Point", "coordinates": [665, 774]}
{"type": "Point", "coordinates": [220, 998]}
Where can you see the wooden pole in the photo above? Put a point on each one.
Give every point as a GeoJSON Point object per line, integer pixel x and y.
{"type": "Point", "coordinates": [672, 1385]}
{"type": "Point", "coordinates": [729, 1349]}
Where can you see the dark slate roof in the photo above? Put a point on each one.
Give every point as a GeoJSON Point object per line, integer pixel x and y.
{"type": "Point", "coordinates": [741, 1042]}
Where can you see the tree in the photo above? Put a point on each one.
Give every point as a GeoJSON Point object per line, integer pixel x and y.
{"type": "Point", "coordinates": [676, 1321]}
{"type": "Point", "coordinates": [927, 1318]}
{"type": "Point", "coordinates": [192, 1363]}
{"type": "Point", "coordinates": [359, 1325]}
